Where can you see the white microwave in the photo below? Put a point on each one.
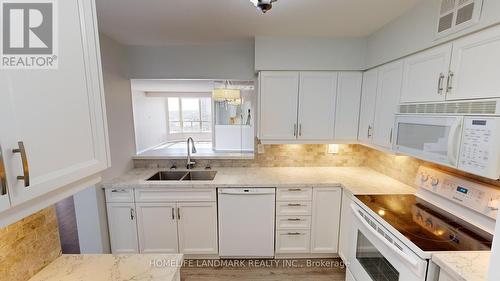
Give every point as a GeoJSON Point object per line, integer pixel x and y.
{"type": "Point", "coordinates": [468, 143]}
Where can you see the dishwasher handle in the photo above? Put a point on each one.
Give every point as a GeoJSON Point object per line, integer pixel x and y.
{"type": "Point", "coordinates": [247, 191]}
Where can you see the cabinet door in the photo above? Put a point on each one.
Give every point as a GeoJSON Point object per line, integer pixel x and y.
{"type": "Point", "coordinates": [347, 108]}
{"type": "Point", "coordinates": [475, 65]}
{"type": "Point", "coordinates": [317, 97]}
{"type": "Point", "coordinates": [367, 109]}
{"type": "Point", "coordinates": [197, 223]}
{"type": "Point", "coordinates": [122, 228]}
{"type": "Point", "coordinates": [388, 94]}
{"type": "Point", "coordinates": [59, 114]}
{"type": "Point", "coordinates": [278, 105]}
{"type": "Point", "coordinates": [424, 75]}
{"type": "Point", "coordinates": [325, 219]}
{"type": "Point", "coordinates": [157, 227]}
{"type": "Point", "coordinates": [345, 235]}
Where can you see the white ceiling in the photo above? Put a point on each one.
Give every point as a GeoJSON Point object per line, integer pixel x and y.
{"type": "Point", "coordinates": [167, 22]}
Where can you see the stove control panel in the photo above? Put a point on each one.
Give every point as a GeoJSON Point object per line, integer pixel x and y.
{"type": "Point", "coordinates": [480, 197]}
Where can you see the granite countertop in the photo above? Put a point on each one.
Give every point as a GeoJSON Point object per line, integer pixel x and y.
{"type": "Point", "coordinates": [464, 266]}
{"type": "Point", "coordinates": [141, 267]}
{"type": "Point", "coordinates": [358, 180]}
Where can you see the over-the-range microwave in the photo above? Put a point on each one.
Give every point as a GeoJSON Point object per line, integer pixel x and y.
{"type": "Point", "coordinates": [461, 135]}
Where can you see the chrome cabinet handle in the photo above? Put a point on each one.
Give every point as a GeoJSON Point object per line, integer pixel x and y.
{"type": "Point", "coordinates": [440, 83]}
{"type": "Point", "coordinates": [118, 190]}
{"type": "Point", "coordinates": [179, 213]}
{"type": "Point", "coordinates": [369, 131]}
{"type": "Point", "coordinates": [293, 219]}
{"type": "Point", "coordinates": [300, 130]}
{"type": "Point", "coordinates": [3, 176]}
{"type": "Point", "coordinates": [173, 213]}
{"type": "Point", "coordinates": [132, 213]}
{"type": "Point", "coordinates": [294, 189]}
{"type": "Point", "coordinates": [294, 130]}
{"type": "Point", "coordinates": [293, 233]}
{"type": "Point", "coordinates": [449, 83]}
{"type": "Point", "coordinates": [294, 205]}
{"type": "Point", "coordinates": [26, 170]}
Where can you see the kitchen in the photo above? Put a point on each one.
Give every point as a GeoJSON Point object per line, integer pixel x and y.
{"type": "Point", "coordinates": [359, 135]}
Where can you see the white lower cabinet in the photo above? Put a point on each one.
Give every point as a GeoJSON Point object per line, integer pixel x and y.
{"type": "Point", "coordinates": [197, 227]}
{"type": "Point", "coordinates": [122, 228]}
{"type": "Point", "coordinates": [325, 219]}
{"type": "Point", "coordinates": [163, 227]}
{"type": "Point", "coordinates": [293, 242]}
{"type": "Point", "coordinates": [345, 235]}
{"type": "Point", "coordinates": [307, 224]}
{"type": "Point", "coordinates": [157, 227]}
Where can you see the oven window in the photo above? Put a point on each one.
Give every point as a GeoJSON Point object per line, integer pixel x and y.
{"type": "Point", "coordinates": [373, 262]}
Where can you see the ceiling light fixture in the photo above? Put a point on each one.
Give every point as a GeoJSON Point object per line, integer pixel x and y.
{"type": "Point", "coordinates": [263, 5]}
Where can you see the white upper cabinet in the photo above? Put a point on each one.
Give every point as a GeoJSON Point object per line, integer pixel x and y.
{"type": "Point", "coordinates": [424, 76]}
{"type": "Point", "coordinates": [367, 108]}
{"type": "Point", "coordinates": [278, 105]}
{"type": "Point", "coordinates": [54, 130]}
{"type": "Point", "coordinates": [390, 79]}
{"type": "Point", "coordinates": [475, 66]}
{"type": "Point", "coordinates": [347, 108]}
{"type": "Point", "coordinates": [317, 94]}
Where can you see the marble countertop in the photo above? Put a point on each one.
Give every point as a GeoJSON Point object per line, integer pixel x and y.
{"type": "Point", "coordinates": [359, 180]}
{"type": "Point", "coordinates": [464, 266]}
{"type": "Point", "coordinates": [141, 267]}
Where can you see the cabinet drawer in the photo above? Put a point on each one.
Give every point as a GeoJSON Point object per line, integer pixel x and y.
{"type": "Point", "coordinates": [293, 241]}
{"type": "Point", "coordinates": [293, 222]}
{"type": "Point", "coordinates": [295, 208]}
{"type": "Point", "coordinates": [294, 193]}
{"type": "Point", "coordinates": [174, 195]}
{"type": "Point", "coordinates": [119, 195]}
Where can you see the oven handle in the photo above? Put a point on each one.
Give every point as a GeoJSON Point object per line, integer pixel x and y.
{"type": "Point", "coordinates": [415, 264]}
{"type": "Point", "coordinates": [453, 139]}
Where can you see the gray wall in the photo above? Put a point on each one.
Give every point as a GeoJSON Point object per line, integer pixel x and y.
{"type": "Point", "coordinates": [214, 61]}
{"type": "Point", "coordinates": [313, 53]}
{"type": "Point", "coordinates": [414, 31]}
{"type": "Point", "coordinates": [90, 205]}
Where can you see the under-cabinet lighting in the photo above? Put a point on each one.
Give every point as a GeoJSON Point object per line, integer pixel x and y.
{"type": "Point", "coordinates": [333, 148]}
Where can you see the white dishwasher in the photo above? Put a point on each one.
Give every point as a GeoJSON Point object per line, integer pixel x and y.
{"type": "Point", "coordinates": [246, 222]}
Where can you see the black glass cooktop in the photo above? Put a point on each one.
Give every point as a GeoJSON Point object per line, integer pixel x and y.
{"type": "Point", "coordinates": [426, 225]}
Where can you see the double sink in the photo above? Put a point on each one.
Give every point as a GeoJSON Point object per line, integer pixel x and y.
{"type": "Point", "coordinates": [183, 176]}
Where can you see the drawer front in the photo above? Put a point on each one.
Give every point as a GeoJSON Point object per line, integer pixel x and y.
{"type": "Point", "coordinates": [118, 195]}
{"type": "Point", "coordinates": [174, 195]}
{"type": "Point", "coordinates": [293, 241]}
{"type": "Point", "coordinates": [294, 194]}
{"type": "Point", "coordinates": [293, 222]}
{"type": "Point", "coordinates": [294, 208]}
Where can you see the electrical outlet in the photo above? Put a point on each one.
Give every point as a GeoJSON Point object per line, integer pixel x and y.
{"type": "Point", "coordinates": [260, 148]}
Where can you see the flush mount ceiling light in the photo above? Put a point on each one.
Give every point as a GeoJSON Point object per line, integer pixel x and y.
{"type": "Point", "coordinates": [263, 5]}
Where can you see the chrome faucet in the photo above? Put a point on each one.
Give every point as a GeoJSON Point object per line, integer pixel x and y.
{"type": "Point", "coordinates": [190, 164]}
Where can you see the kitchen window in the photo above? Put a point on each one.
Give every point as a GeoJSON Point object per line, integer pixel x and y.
{"type": "Point", "coordinates": [189, 115]}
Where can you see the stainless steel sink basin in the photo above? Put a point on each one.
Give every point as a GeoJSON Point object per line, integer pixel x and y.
{"type": "Point", "coordinates": [168, 176]}
{"type": "Point", "coordinates": [200, 176]}
{"type": "Point", "coordinates": [183, 176]}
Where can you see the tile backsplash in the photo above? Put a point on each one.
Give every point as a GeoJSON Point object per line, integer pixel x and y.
{"type": "Point", "coordinates": [29, 245]}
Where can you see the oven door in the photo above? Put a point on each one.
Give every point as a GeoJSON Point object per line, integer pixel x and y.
{"type": "Point", "coordinates": [377, 255]}
{"type": "Point", "coordinates": [431, 138]}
